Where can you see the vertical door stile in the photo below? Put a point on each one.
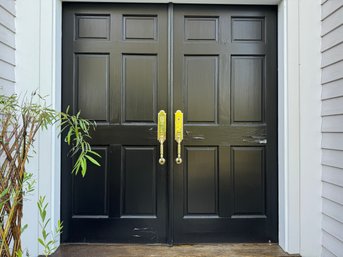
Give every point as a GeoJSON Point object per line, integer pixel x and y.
{"type": "Point", "coordinates": [170, 122]}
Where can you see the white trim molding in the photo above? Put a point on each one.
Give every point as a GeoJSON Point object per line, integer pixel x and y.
{"type": "Point", "coordinates": [289, 130]}
{"type": "Point", "coordinates": [39, 33]}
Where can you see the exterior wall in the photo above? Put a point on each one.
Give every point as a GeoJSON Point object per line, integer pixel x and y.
{"type": "Point", "coordinates": [7, 46]}
{"type": "Point", "coordinates": [332, 127]}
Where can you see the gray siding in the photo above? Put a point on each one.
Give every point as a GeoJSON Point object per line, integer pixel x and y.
{"type": "Point", "coordinates": [332, 127]}
{"type": "Point", "coordinates": [7, 46]}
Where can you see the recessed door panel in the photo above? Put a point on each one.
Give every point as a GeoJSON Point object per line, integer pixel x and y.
{"type": "Point", "coordinates": [90, 195]}
{"type": "Point", "coordinates": [140, 91]}
{"type": "Point", "coordinates": [92, 82]}
{"type": "Point", "coordinates": [247, 29]}
{"type": "Point", "coordinates": [201, 28]}
{"type": "Point", "coordinates": [248, 181]}
{"type": "Point", "coordinates": [247, 88]}
{"type": "Point", "coordinates": [92, 26]}
{"type": "Point", "coordinates": [139, 185]}
{"type": "Point", "coordinates": [140, 27]}
{"type": "Point", "coordinates": [201, 174]}
{"type": "Point", "coordinates": [201, 86]}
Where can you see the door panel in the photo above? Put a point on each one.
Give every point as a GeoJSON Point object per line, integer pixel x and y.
{"type": "Point", "coordinates": [140, 91]}
{"type": "Point", "coordinates": [248, 29]}
{"type": "Point", "coordinates": [201, 89]}
{"type": "Point", "coordinates": [201, 181]}
{"type": "Point", "coordinates": [224, 81]}
{"type": "Point", "coordinates": [90, 70]}
{"type": "Point", "coordinates": [201, 28]}
{"type": "Point", "coordinates": [92, 26]}
{"type": "Point", "coordinates": [139, 182]}
{"type": "Point", "coordinates": [90, 193]}
{"type": "Point", "coordinates": [247, 89]}
{"type": "Point", "coordinates": [248, 181]}
{"type": "Point", "coordinates": [115, 72]}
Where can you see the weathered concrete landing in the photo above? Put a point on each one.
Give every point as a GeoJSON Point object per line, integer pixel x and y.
{"type": "Point", "coordinates": [198, 250]}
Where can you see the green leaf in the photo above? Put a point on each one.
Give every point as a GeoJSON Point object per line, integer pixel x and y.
{"type": "Point", "coordinates": [45, 234]}
{"type": "Point", "coordinates": [41, 242]}
{"type": "Point", "coordinates": [50, 242]}
{"type": "Point", "coordinates": [46, 224]}
{"type": "Point", "coordinates": [82, 125]}
{"type": "Point", "coordinates": [83, 167]}
{"type": "Point", "coordinates": [24, 228]}
{"type": "Point", "coordinates": [76, 167]}
{"type": "Point", "coordinates": [43, 215]}
{"type": "Point", "coordinates": [59, 224]}
{"type": "Point", "coordinates": [68, 137]}
{"type": "Point", "coordinates": [95, 153]}
{"type": "Point", "coordinates": [92, 160]}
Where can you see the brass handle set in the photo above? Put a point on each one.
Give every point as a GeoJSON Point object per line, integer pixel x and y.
{"type": "Point", "coordinates": [162, 133]}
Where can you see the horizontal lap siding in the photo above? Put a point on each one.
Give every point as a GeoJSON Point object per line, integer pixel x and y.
{"type": "Point", "coordinates": [7, 46]}
{"type": "Point", "coordinates": [332, 127]}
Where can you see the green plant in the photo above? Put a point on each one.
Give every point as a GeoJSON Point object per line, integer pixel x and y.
{"type": "Point", "coordinates": [77, 136]}
{"type": "Point", "coordinates": [20, 120]}
{"type": "Point", "coordinates": [48, 239]}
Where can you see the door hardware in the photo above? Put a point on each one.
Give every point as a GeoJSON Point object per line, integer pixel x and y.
{"type": "Point", "coordinates": [161, 133]}
{"type": "Point", "coordinates": [178, 134]}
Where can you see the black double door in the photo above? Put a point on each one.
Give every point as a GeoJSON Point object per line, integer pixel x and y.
{"type": "Point", "coordinates": [122, 65]}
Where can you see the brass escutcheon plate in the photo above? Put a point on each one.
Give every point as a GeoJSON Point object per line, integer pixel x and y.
{"type": "Point", "coordinates": [162, 126]}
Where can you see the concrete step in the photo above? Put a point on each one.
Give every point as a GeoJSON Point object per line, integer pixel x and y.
{"type": "Point", "coordinates": [196, 250]}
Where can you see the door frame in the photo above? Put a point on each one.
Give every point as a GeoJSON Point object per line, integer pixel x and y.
{"type": "Point", "coordinates": [288, 118]}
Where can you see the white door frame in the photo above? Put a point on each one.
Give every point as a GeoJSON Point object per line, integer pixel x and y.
{"type": "Point", "coordinates": [48, 80]}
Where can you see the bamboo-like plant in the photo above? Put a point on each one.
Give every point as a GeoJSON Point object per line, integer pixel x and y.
{"type": "Point", "coordinates": [48, 239]}
{"type": "Point", "coordinates": [20, 121]}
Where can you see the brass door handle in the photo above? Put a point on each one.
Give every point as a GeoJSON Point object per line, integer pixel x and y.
{"type": "Point", "coordinates": [178, 134]}
{"type": "Point", "coordinates": [162, 133]}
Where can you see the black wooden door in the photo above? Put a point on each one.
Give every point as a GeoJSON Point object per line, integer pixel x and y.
{"type": "Point", "coordinates": [115, 72]}
{"type": "Point", "coordinates": [221, 75]}
{"type": "Point", "coordinates": [225, 83]}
